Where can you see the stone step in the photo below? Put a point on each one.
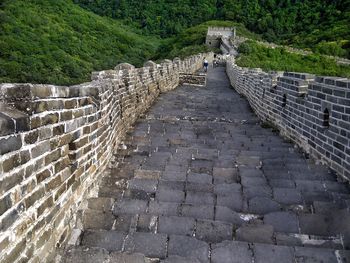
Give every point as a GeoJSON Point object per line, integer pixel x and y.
{"type": "Point", "coordinates": [285, 228]}
{"type": "Point", "coordinates": [313, 221]}
{"type": "Point", "coordinates": [142, 247]}
{"type": "Point", "coordinates": [83, 254]}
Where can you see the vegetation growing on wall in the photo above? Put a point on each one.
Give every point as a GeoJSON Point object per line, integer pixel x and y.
{"type": "Point", "coordinates": [303, 23]}
{"type": "Point", "coordinates": [255, 55]}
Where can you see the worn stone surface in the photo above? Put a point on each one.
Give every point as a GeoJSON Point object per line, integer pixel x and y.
{"type": "Point", "coordinates": [151, 245]}
{"type": "Point", "coordinates": [274, 254]}
{"type": "Point", "coordinates": [188, 247]}
{"type": "Point", "coordinates": [206, 180]}
{"type": "Point", "coordinates": [56, 144]}
{"type": "Point", "coordinates": [200, 167]}
{"type": "Point", "coordinates": [176, 225]}
{"type": "Point", "coordinates": [255, 233]}
{"type": "Point", "coordinates": [109, 240]}
{"type": "Point", "coordinates": [231, 252]}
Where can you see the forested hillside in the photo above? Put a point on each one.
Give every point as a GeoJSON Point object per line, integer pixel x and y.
{"type": "Point", "coordinates": [59, 42]}
{"type": "Point", "coordinates": [322, 25]}
{"type": "Point", "coordinates": [253, 54]}
{"type": "Point", "coordinates": [62, 41]}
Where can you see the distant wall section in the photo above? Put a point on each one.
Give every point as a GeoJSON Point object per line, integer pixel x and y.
{"type": "Point", "coordinates": [215, 34]}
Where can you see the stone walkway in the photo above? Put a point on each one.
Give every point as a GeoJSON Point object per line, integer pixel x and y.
{"type": "Point", "coordinates": [199, 180]}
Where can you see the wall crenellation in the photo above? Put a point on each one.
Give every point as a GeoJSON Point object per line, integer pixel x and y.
{"type": "Point", "coordinates": [55, 143]}
{"type": "Point", "coordinates": [312, 111]}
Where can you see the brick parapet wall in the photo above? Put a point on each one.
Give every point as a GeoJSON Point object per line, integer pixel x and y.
{"type": "Point", "coordinates": [56, 142]}
{"type": "Point", "coordinates": [296, 104]}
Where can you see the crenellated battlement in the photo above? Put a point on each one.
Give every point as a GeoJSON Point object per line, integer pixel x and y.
{"type": "Point", "coordinates": [312, 111]}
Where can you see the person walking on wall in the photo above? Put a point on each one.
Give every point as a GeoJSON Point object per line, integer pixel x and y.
{"type": "Point", "coordinates": [205, 64]}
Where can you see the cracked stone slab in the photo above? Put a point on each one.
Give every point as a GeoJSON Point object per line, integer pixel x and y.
{"type": "Point", "coordinates": [127, 258]}
{"type": "Point", "coordinates": [198, 211]}
{"type": "Point", "coordinates": [147, 185]}
{"type": "Point", "coordinates": [163, 208]}
{"type": "Point", "coordinates": [213, 231]}
{"type": "Point", "coordinates": [93, 219]}
{"type": "Point", "coordinates": [255, 233]}
{"type": "Point", "coordinates": [308, 255]}
{"type": "Point", "coordinates": [177, 259]}
{"type": "Point", "coordinates": [167, 195]}
{"type": "Point", "coordinates": [176, 225]}
{"type": "Point", "coordinates": [200, 198]}
{"type": "Point", "coordinates": [130, 207]}
{"type": "Point", "coordinates": [227, 215]}
{"type": "Point", "coordinates": [85, 255]}
{"type": "Point", "coordinates": [231, 252]}
{"type": "Point", "coordinates": [151, 245]}
{"type": "Point", "coordinates": [147, 174]}
{"type": "Point", "coordinates": [100, 203]}
{"type": "Point", "coordinates": [263, 205]}
{"type": "Point", "coordinates": [286, 222]}
{"type": "Point", "coordinates": [264, 253]}
{"type": "Point", "coordinates": [109, 240]}
{"type": "Point", "coordinates": [188, 247]}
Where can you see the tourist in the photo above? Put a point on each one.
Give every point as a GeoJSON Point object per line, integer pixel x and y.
{"type": "Point", "coordinates": [205, 64]}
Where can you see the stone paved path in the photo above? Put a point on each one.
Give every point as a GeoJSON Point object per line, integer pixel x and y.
{"type": "Point", "coordinates": [199, 180]}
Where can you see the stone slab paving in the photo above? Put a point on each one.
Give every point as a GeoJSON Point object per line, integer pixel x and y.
{"type": "Point", "coordinates": [199, 180]}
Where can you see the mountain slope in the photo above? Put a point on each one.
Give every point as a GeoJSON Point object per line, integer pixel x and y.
{"type": "Point", "coordinates": [321, 25]}
{"type": "Point", "coordinates": [58, 42]}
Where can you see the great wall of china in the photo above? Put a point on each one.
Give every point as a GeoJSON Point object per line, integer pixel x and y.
{"type": "Point", "coordinates": [56, 142]}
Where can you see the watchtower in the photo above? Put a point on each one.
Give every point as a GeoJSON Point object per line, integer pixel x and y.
{"type": "Point", "coordinates": [215, 34]}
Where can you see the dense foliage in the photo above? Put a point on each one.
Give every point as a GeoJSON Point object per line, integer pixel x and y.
{"type": "Point", "coordinates": [59, 42]}
{"type": "Point", "coordinates": [255, 55]}
{"type": "Point", "coordinates": [161, 17]}
{"type": "Point", "coordinates": [318, 24]}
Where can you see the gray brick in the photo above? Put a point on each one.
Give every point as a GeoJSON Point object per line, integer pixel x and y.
{"type": "Point", "coordinates": [166, 195]}
{"type": "Point", "coordinates": [231, 252]}
{"type": "Point", "coordinates": [147, 185]}
{"type": "Point", "coordinates": [200, 198]}
{"type": "Point", "coordinates": [98, 220]}
{"type": "Point", "coordinates": [109, 240]}
{"type": "Point", "coordinates": [273, 254]}
{"type": "Point", "coordinates": [116, 257]}
{"type": "Point", "coordinates": [198, 211]}
{"type": "Point", "coordinates": [163, 208]}
{"type": "Point", "coordinates": [188, 247]}
{"type": "Point", "coordinates": [199, 178]}
{"type": "Point", "coordinates": [287, 196]}
{"type": "Point", "coordinates": [233, 201]}
{"type": "Point", "coordinates": [10, 144]}
{"type": "Point", "coordinates": [258, 233]}
{"type": "Point", "coordinates": [176, 225]}
{"type": "Point", "coordinates": [286, 222]}
{"type": "Point", "coordinates": [151, 245]}
{"type": "Point", "coordinates": [223, 189]}
{"type": "Point", "coordinates": [227, 215]}
{"type": "Point", "coordinates": [130, 207]}
{"type": "Point", "coordinates": [84, 255]}
{"type": "Point", "coordinates": [315, 255]}
{"type": "Point", "coordinates": [263, 205]}
{"type": "Point", "coordinates": [213, 231]}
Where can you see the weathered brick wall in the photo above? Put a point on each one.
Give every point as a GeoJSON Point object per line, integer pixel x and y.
{"type": "Point", "coordinates": [55, 143]}
{"type": "Point", "coordinates": [297, 104]}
